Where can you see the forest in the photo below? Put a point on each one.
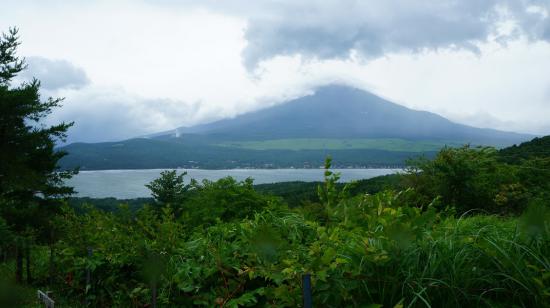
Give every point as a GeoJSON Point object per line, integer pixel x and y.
{"type": "Point", "coordinates": [467, 227]}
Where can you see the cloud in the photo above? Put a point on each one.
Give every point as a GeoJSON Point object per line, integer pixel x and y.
{"type": "Point", "coordinates": [110, 114]}
{"type": "Point", "coordinates": [339, 28]}
{"type": "Point", "coordinates": [55, 74]}
{"type": "Point", "coordinates": [336, 28]}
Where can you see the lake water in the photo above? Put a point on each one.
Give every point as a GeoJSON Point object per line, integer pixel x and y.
{"type": "Point", "coordinates": [127, 184]}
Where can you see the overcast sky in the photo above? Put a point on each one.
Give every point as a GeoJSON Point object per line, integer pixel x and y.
{"type": "Point", "coordinates": [128, 68]}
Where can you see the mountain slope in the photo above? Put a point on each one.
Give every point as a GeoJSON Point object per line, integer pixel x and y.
{"type": "Point", "coordinates": [151, 153]}
{"type": "Point", "coordinates": [343, 112]}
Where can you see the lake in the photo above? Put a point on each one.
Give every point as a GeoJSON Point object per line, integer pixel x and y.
{"type": "Point", "coordinates": [128, 184]}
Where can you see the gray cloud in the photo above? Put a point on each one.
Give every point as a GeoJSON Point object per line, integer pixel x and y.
{"type": "Point", "coordinates": [371, 28]}
{"type": "Point", "coordinates": [109, 115]}
{"type": "Point", "coordinates": [333, 29]}
{"type": "Point", "coordinates": [55, 74]}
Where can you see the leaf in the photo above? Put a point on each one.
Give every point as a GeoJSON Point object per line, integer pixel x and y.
{"type": "Point", "coordinates": [247, 299]}
{"type": "Point", "coordinates": [399, 304]}
{"type": "Point", "coordinates": [328, 255]}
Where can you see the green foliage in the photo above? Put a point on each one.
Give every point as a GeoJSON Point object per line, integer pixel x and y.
{"type": "Point", "coordinates": [376, 250]}
{"type": "Point", "coordinates": [536, 148]}
{"type": "Point", "coordinates": [4, 230]}
{"type": "Point", "coordinates": [469, 179]}
{"type": "Point", "coordinates": [28, 171]}
{"type": "Point", "coordinates": [127, 253]}
{"type": "Point", "coordinates": [10, 64]}
{"type": "Point", "coordinates": [328, 192]}
{"type": "Point", "coordinates": [300, 193]}
{"type": "Point", "coordinates": [11, 294]}
{"type": "Point", "coordinates": [234, 247]}
{"type": "Point", "coordinates": [107, 204]}
{"type": "Point", "coordinates": [294, 193]}
{"type": "Point", "coordinates": [223, 200]}
{"type": "Point", "coordinates": [6, 235]}
{"type": "Point", "coordinates": [169, 187]}
{"type": "Point", "coordinates": [534, 174]}
{"type": "Point", "coordinates": [27, 156]}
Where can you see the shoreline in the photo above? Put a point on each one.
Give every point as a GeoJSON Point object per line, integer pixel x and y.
{"type": "Point", "coordinates": [242, 169]}
{"type": "Point", "coordinates": [130, 183]}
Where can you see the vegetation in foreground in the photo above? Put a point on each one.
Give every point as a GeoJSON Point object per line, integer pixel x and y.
{"type": "Point", "coordinates": [225, 244]}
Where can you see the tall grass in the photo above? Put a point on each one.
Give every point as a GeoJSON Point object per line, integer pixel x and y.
{"type": "Point", "coordinates": [473, 261]}
{"type": "Point", "coordinates": [371, 251]}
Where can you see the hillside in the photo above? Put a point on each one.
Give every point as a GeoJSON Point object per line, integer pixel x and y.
{"type": "Point", "coordinates": [538, 147]}
{"type": "Point", "coordinates": [357, 128]}
{"type": "Point", "coordinates": [150, 153]}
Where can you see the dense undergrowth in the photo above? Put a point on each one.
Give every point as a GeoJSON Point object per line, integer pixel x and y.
{"type": "Point", "coordinates": [225, 244]}
{"type": "Point", "coordinates": [371, 250]}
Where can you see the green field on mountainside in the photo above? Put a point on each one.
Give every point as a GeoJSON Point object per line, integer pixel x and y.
{"type": "Point", "coordinates": [386, 144]}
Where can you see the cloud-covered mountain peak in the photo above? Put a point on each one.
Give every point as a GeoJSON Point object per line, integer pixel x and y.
{"type": "Point", "coordinates": [338, 111]}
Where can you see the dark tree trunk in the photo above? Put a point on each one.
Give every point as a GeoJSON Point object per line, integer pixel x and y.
{"type": "Point", "coordinates": [52, 269]}
{"type": "Point", "coordinates": [52, 265]}
{"type": "Point", "coordinates": [18, 265]}
{"type": "Point", "coordinates": [28, 262]}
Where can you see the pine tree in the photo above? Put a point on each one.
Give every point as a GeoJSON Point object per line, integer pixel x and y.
{"type": "Point", "coordinates": [29, 176]}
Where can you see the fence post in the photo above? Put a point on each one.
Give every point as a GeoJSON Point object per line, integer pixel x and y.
{"type": "Point", "coordinates": [306, 289]}
{"type": "Point", "coordinates": [45, 298]}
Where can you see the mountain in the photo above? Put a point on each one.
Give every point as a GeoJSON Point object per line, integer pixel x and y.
{"type": "Point", "coordinates": [344, 112]}
{"type": "Point", "coordinates": [357, 128]}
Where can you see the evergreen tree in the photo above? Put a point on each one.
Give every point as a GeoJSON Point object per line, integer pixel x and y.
{"type": "Point", "coordinates": [169, 190]}
{"type": "Point", "coordinates": [29, 176]}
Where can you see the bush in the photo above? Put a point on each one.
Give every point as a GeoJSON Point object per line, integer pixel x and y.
{"type": "Point", "coordinates": [468, 179]}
